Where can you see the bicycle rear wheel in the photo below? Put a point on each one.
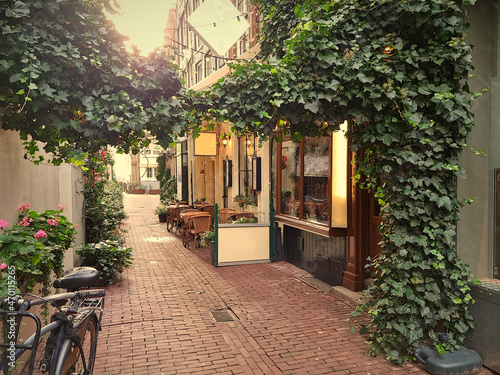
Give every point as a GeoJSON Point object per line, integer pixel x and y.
{"type": "Point", "coordinates": [74, 358]}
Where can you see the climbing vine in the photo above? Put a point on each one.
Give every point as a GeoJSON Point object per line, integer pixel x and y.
{"type": "Point", "coordinates": [397, 72]}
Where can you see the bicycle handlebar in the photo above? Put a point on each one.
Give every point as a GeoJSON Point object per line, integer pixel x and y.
{"type": "Point", "coordinates": [93, 293]}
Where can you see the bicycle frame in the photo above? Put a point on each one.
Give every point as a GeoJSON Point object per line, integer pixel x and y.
{"type": "Point", "coordinates": [82, 309]}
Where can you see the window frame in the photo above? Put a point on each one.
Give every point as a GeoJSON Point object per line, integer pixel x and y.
{"type": "Point", "coordinates": [324, 229]}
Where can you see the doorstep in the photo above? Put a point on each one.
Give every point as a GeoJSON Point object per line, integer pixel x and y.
{"type": "Point", "coordinates": [344, 293]}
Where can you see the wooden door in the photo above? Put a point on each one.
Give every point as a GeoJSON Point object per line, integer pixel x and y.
{"type": "Point", "coordinates": [374, 221]}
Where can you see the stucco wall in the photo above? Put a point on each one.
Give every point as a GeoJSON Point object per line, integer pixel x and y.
{"type": "Point", "coordinates": [43, 186]}
{"type": "Point", "coordinates": [475, 228]}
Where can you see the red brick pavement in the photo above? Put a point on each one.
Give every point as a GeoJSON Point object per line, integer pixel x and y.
{"type": "Point", "coordinates": [157, 317]}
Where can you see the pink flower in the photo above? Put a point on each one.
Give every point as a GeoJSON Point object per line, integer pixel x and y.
{"type": "Point", "coordinates": [40, 234]}
{"type": "Point", "coordinates": [62, 207]}
{"type": "Point", "coordinates": [25, 207]}
{"type": "Point", "coordinates": [25, 221]}
{"type": "Point", "coordinates": [3, 224]}
{"type": "Point", "coordinates": [52, 222]}
{"type": "Point", "coordinates": [3, 266]}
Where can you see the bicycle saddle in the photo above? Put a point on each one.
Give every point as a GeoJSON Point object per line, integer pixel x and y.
{"type": "Point", "coordinates": [76, 278]}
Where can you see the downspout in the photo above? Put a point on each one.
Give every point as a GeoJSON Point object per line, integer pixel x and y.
{"type": "Point", "coordinates": [271, 203]}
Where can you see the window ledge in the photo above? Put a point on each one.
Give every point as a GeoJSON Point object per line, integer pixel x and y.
{"type": "Point", "coordinates": [322, 230]}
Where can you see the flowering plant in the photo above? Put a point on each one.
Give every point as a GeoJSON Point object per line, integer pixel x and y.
{"type": "Point", "coordinates": [161, 210]}
{"type": "Point", "coordinates": [35, 246]}
{"type": "Point", "coordinates": [109, 257]}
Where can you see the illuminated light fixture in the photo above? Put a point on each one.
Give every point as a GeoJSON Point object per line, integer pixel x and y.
{"type": "Point", "coordinates": [218, 27]}
{"type": "Point", "coordinates": [225, 141]}
{"type": "Point", "coordinates": [249, 142]}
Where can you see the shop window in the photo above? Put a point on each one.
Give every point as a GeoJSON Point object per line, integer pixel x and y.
{"type": "Point", "coordinates": [246, 146]}
{"type": "Point", "coordinates": [312, 180]}
{"type": "Point", "coordinates": [199, 71]}
{"type": "Point", "coordinates": [151, 172]}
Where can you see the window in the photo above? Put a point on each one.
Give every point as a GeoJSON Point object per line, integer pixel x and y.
{"type": "Point", "coordinates": [199, 72]}
{"type": "Point", "coordinates": [246, 146]}
{"type": "Point", "coordinates": [312, 180]}
{"type": "Point", "coordinates": [151, 172]}
{"type": "Point", "coordinates": [245, 164]}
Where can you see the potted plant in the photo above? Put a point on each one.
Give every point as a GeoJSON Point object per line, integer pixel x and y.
{"type": "Point", "coordinates": [161, 211]}
{"type": "Point", "coordinates": [152, 191]}
{"type": "Point", "coordinates": [138, 189]}
{"type": "Point", "coordinates": [108, 257]}
{"type": "Point", "coordinates": [244, 220]}
{"type": "Point", "coordinates": [34, 248]}
{"type": "Point", "coordinates": [208, 237]}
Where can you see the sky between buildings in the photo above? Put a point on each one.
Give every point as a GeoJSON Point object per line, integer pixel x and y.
{"type": "Point", "coordinates": [143, 21]}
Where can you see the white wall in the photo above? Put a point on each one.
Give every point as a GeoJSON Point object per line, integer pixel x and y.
{"type": "Point", "coordinates": [43, 186]}
{"type": "Point", "coordinates": [475, 227]}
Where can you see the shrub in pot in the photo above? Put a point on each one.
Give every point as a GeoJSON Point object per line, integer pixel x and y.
{"type": "Point", "coordinates": [108, 257]}
{"type": "Point", "coordinates": [161, 211]}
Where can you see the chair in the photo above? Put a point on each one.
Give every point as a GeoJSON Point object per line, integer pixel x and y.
{"type": "Point", "coordinates": [210, 209]}
{"type": "Point", "coordinates": [172, 217]}
{"type": "Point", "coordinates": [239, 215]}
{"type": "Point", "coordinates": [195, 226]}
{"type": "Point", "coordinates": [224, 214]}
{"type": "Point", "coordinates": [179, 218]}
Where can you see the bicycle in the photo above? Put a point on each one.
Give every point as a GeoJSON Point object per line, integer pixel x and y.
{"type": "Point", "coordinates": [70, 347]}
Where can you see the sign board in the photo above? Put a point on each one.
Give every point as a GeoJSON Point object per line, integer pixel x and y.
{"type": "Point", "coordinates": [219, 24]}
{"type": "Point", "coordinates": [206, 144]}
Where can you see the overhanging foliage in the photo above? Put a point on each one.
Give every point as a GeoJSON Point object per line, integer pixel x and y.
{"type": "Point", "coordinates": [67, 80]}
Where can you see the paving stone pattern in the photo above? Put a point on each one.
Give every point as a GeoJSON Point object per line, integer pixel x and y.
{"type": "Point", "coordinates": [157, 317]}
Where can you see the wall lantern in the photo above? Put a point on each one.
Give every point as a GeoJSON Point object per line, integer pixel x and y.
{"type": "Point", "coordinates": [228, 173]}
{"type": "Point", "coordinates": [225, 141]}
{"type": "Point", "coordinates": [256, 173]}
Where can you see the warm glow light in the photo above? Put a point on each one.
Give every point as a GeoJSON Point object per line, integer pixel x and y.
{"type": "Point", "coordinates": [143, 21]}
{"type": "Point", "coordinates": [339, 178]}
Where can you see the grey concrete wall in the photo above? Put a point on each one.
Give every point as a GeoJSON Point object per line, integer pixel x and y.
{"type": "Point", "coordinates": [475, 228]}
{"type": "Point", "coordinates": [43, 186]}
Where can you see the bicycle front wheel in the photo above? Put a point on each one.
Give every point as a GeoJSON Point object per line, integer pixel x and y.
{"type": "Point", "coordinates": [79, 359]}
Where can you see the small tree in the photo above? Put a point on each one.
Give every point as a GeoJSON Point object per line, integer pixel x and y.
{"type": "Point", "coordinates": [168, 183]}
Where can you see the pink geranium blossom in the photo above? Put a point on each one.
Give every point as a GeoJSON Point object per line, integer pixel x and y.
{"type": "Point", "coordinates": [53, 222]}
{"type": "Point", "coordinates": [3, 224]}
{"type": "Point", "coordinates": [40, 234]}
{"type": "Point", "coordinates": [25, 207]}
{"type": "Point", "coordinates": [25, 221]}
{"type": "Point", "coordinates": [62, 207]}
{"type": "Point", "coordinates": [3, 266]}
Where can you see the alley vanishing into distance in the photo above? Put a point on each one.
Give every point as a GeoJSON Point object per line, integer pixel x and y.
{"type": "Point", "coordinates": [158, 317]}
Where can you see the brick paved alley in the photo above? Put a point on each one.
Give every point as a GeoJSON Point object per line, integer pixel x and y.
{"type": "Point", "coordinates": [157, 317]}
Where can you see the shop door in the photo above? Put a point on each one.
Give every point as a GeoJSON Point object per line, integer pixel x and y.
{"type": "Point", "coordinates": [374, 221]}
{"type": "Point", "coordinates": [496, 269]}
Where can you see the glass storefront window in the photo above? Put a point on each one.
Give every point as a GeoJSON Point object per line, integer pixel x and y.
{"type": "Point", "coordinates": [312, 185]}
{"type": "Point", "coordinates": [316, 171]}
{"type": "Point", "coordinates": [290, 178]}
